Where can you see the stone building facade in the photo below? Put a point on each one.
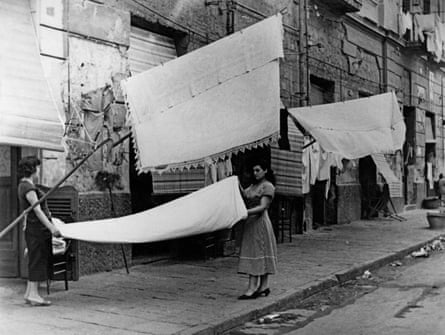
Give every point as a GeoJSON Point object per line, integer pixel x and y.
{"type": "Point", "coordinates": [334, 51]}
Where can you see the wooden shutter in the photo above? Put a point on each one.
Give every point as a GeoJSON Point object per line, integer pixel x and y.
{"type": "Point", "coordinates": [287, 164]}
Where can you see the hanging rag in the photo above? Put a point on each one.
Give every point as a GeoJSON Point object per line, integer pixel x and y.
{"type": "Point", "coordinates": [306, 174]}
{"type": "Point", "coordinates": [429, 175]}
{"type": "Point", "coordinates": [405, 22]}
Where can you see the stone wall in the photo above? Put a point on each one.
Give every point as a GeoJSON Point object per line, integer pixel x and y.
{"type": "Point", "coordinates": [97, 257]}
{"type": "Point", "coordinates": [354, 53]}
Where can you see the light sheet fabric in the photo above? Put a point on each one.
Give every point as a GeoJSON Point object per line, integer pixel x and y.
{"type": "Point", "coordinates": [355, 128]}
{"type": "Point", "coordinates": [28, 112]}
{"type": "Point", "coordinates": [384, 168]}
{"type": "Point", "coordinates": [215, 207]}
{"type": "Point", "coordinates": [206, 103]}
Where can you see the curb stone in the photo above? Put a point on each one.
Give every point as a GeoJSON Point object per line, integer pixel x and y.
{"type": "Point", "coordinates": [304, 293]}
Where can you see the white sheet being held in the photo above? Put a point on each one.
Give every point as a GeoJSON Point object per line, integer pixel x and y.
{"type": "Point", "coordinates": [215, 207]}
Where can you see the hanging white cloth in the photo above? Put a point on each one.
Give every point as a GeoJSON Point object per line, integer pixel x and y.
{"type": "Point", "coordinates": [424, 24]}
{"type": "Point", "coordinates": [314, 155]}
{"type": "Point", "coordinates": [429, 175]}
{"type": "Point", "coordinates": [405, 22]}
{"type": "Point", "coordinates": [306, 174]}
{"type": "Point", "coordinates": [355, 128]}
{"type": "Point", "coordinates": [205, 103]}
{"type": "Point", "coordinates": [215, 207]}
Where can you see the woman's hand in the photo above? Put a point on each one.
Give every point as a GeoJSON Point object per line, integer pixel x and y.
{"type": "Point", "coordinates": [56, 232]}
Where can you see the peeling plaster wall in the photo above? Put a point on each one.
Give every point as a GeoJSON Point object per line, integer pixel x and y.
{"type": "Point", "coordinates": [93, 66]}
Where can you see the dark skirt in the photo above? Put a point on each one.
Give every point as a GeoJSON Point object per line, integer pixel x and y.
{"type": "Point", "coordinates": [39, 246]}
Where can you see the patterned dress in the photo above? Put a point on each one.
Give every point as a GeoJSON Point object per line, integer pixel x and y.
{"type": "Point", "coordinates": [258, 254]}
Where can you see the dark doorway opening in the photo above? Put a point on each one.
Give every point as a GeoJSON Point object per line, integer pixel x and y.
{"type": "Point", "coordinates": [368, 185]}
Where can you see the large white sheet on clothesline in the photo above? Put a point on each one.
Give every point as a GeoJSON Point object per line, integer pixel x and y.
{"type": "Point", "coordinates": [215, 207]}
{"type": "Point", "coordinates": [355, 128]}
{"type": "Point", "coordinates": [209, 103]}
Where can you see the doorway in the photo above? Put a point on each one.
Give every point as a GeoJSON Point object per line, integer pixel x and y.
{"type": "Point", "coordinates": [368, 185]}
{"type": "Point", "coordinates": [9, 264]}
{"type": "Point", "coordinates": [324, 197]}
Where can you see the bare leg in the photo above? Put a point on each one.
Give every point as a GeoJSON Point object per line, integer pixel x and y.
{"type": "Point", "coordinates": [253, 284]}
{"type": "Point", "coordinates": [264, 282]}
{"type": "Point", "coordinates": [28, 289]}
{"type": "Point", "coordinates": [33, 292]}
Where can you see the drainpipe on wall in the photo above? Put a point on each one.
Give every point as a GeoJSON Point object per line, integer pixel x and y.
{"type": "Point", "coordinates": [303, 85]}
{"type": "Point", "coordinates": [301, 48]}
{"type": "Point", "coordinates": [385, 64]}
{"type": "Point", "coordinates": [306, 32]}
{"type": "Point", "coordinates": [442, 125]}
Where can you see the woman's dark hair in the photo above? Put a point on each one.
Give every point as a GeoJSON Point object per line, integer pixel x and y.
{"type": "Point", "coordinates": [28, 166]}
{"type": "Point", "coordinates": [264, 164]}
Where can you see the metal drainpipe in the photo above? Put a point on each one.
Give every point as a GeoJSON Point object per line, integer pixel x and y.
{"type": "Point", "coordinates": [301, 46]}
{"type": "Point", "coordinates": [385, 64]}
{"type": "Point", "coordinates": [441, 126]}
{"type": "Point", "coordinates": [306, 32]}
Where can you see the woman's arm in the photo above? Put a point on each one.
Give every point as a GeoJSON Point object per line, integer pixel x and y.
{"type": "Point", "coordinates": [264, 205]}
{"type": "Point", "coordinates": [31, 196]}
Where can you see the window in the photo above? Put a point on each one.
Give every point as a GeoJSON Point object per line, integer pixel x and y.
{"type": "Point", "coordinates": [426, 6]}
{"type": "Point", "coordinates": [406, 6]}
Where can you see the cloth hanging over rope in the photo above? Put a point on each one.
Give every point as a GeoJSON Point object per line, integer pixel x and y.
{"type": "Point", "coordinates": [28, 112]}
{"type": "Point", "coordinates": [215, 207]}
{"type": "Point", "coordinates": [209, 103]}
{"type": "Point", "coordinates": [355, 128]}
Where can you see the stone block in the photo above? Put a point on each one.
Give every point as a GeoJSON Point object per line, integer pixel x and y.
{"type": "Point", "coordinates": [52, 42]}
{"type": "Point", "coordinates": [51, 13]}
{"type": "Point", "coordinates": [349, 48]}
{"type": "Point", "coordinates": [99, 21]}
{"type": "Point", "coordinates": [363, 40]}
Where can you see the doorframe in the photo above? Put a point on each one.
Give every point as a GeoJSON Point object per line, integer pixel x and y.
{"type": "Point", "coordinates": [11, 247]}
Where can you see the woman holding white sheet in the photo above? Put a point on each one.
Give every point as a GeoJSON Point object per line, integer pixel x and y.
{"type": "Point", "coordinates": [258, 254]}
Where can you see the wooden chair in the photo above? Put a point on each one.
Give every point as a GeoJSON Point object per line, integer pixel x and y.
{"type": "Point", "coordinates": [63, 204]}
{"type": "Point", "coordinates": [60, 266]}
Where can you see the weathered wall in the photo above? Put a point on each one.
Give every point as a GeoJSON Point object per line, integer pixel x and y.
{"type": "Point", "coordinates": [91, 53]}
{"type": "Point", "coordinates": [95, 257]}
{"type": "Point", "coordinates": [85, 45]}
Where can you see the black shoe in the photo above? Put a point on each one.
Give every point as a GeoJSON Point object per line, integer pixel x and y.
{"type": "Point", "coordinates": [254, 295]}
{"type": "Point", "coordinates": [264, 292]}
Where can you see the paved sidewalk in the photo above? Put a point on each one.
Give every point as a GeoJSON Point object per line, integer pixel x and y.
{"type": "Point", "coordinates": [200, 297]}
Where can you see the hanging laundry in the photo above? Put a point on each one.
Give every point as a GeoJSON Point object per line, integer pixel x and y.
{"type": "Point", "coordinates": [423, 24]}
{"type": "Point", "coordinates": [375, 124]}
{"type": "Point", "coordinates": [306, 174]}
{"type": "Point", "coordinates": [405, 22]}
{"type": "Point", "coordinates": [429, 175]}
{"type": "Point", "coordinates": [314, 159]}
{"type": "Point", "coordinates": [209, 99]}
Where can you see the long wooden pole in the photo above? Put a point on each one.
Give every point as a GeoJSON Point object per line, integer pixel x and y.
{"type": "Point", "coordinates": [55, 187]}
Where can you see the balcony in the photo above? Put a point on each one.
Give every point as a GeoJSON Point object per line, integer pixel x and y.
{"type": "Point", "coordinates": [345, 6]}
{"type": "Point", "coordinates": [424, 37]}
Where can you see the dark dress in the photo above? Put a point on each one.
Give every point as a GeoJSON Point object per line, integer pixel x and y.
{"type": "Point", "coordinates": [258, 254]}
{"type": "Point", "coordinates": [37, 236]}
